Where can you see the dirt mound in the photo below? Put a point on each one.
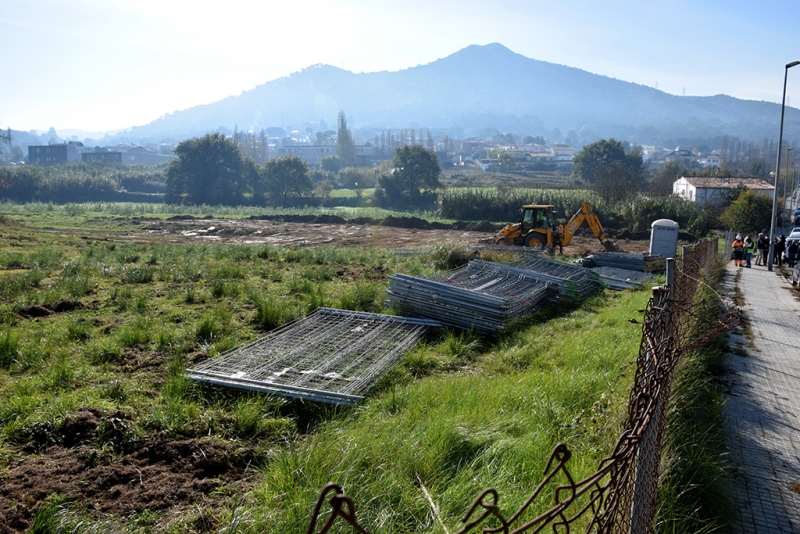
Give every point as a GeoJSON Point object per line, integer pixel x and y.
{"type": "Point", "coordinates": [633, 236]}
{"type": "Point", "coordinates": [81, 426]}
{"type": "Point", "coordinates": [484, 226]}
{"type": "Point", "coordinates": [414, 223]}
{"type": "Point", "coordinates": [158, 475]}
{"type": "Point", "coordinates": [363, 221]}
{"type": "Point", "coordinates": [49, 308]}
{"type": "Point", "coordinates": [309, 219]}
{"type": "Point", "coordinates": [34, 310]}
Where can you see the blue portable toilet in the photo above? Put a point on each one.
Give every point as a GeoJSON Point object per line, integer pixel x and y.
{"type": "Point", "coordinates": [664, 238]}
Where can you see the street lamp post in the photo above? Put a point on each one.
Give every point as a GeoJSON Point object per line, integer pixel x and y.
{"type": "Point", "coordinates": [771, 256]}
{"type": "Point", "coordinates": [795, 189]}
{"type": "Point", "coordinates": [788, 174]}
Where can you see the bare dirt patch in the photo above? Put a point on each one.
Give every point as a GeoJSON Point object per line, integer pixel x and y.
{"type": "Point", "coordinates": [49, 308]}
{"type": "Point", "coordinates": [156, 475]}
{"type": "Point", "coordinates": [307, 230]}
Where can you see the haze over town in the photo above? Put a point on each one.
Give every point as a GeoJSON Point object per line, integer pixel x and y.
{"type": "Point", "coordinates": [98, 66]}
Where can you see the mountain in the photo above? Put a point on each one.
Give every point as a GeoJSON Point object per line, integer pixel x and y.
{"type": "Point", "coordinates": [476, 88]}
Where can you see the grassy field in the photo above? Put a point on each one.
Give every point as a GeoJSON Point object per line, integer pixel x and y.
{"type": "Point", "coordinates": [69, 216]}
{"type": "Point", "coordinates": [96, 334]}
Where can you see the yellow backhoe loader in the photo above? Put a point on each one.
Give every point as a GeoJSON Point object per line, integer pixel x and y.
{"type": "Point", "coordinates": [538, 229]}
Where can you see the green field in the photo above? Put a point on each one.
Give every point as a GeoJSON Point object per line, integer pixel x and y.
{"type": "Point", "coordinates": [123, 320]}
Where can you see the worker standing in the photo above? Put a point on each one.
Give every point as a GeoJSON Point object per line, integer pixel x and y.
{"type": "Point", "coordinates": [749, 250]}
{"type": "Point", "coordinates": [738, 250]}
{"type": "Point", "coordinates": [763, 249]}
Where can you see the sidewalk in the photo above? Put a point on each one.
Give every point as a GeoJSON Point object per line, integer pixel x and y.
{"type": "Point", "coordinates": [763, 406]}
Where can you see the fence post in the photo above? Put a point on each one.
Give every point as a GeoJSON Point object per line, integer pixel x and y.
{"type": "Point", "coordinates": [645, 479]}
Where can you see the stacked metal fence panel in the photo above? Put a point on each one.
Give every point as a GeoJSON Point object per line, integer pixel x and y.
{"type": "Point", "coordinates": [480, 296]}
{"type": "Point", "coordinates": [632, 262]}
{"type": "Point", "coordinates": [331, 356]}
{"type": "Point", "coordinates": [576, 283]}
{"type": "Point", "coordinates": [621, 279]}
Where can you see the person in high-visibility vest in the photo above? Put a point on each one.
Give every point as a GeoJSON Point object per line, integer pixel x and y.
{"type": "Point", "coordinates": [738, 250]}
{"type": "Point", "coordinates": [749, 250]}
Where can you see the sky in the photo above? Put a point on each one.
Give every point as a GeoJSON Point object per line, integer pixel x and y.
{"type": "Point", "coordinates": [105, 65]}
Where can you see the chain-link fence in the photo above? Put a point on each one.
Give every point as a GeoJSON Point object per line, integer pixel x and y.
{"type": "Point", "coordinates": [621, 496]}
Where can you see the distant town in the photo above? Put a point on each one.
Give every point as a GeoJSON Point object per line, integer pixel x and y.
{"type": "Point", "coordinates": [488, 154]}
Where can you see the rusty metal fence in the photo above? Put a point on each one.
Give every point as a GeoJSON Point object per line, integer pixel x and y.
{"type": "Point", "coordinates": [621, 496]}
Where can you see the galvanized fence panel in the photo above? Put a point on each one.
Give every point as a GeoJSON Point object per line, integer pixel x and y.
{"type": "Point", "coordinates": [331, 356]}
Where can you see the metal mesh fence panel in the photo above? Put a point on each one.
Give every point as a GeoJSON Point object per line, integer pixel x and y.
{"type": "Point", "coordinates": [480, 296]}
{"type": "Point", "coordinates": [620, 497]}
{"type": "Point", "coordinates": [620, 279]}
{"type": "Point", "coordinates": [331, 356]}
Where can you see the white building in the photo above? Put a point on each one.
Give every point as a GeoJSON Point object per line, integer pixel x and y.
{"type": "Point", "coordinates": [704, 190]}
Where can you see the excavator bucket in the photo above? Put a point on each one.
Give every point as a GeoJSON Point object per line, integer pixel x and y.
{"type": "Point", "coordinates": [610, 246]}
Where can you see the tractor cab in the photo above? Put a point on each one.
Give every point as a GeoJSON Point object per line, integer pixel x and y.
{"type": "Point", "coordinates": [536, 216]}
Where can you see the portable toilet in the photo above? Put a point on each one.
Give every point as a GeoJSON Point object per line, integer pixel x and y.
{"type": "Point", "coordinates": [664, 238]}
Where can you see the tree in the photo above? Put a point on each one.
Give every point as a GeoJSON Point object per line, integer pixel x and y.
{"type": "Point", "coordinates": [284, 178]}
{"type": "Point", "coordinates": [749, 213]}
{"type": "Point", "coordinates": [208, 170]}
{"type": "Point", "coordinates": [665, 177]}
{"type": "Point", "coordinates": [534, 140]}
{"type": "Point", "coordinates": [607, 168]}
{"type": "Point", "coordinates": [409, 184]}
{"type": "Point", "coordinates": [504, 139]}
{"type": "Point", "coordinates": [332, 163]}
{"type": "Point", "coordinates": [345, 147]}
{"type": "Point", "coordinates": [324, 189]}
{"type": "Point", "coordinates": [506, 162]}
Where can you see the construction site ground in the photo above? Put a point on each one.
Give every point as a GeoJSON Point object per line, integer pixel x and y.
{"type": "Point", "coordinates": [393, 232]}
{"type": "Point", "coordinates": [161, 474]}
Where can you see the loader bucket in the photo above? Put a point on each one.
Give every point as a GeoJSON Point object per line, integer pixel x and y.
{"type": "Point", "coordinates": [610, 246]}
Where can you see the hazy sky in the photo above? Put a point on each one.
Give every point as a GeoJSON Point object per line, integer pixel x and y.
{"type": "Point", "coordinates": [98, 65]}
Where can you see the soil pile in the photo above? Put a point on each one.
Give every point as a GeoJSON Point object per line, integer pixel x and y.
{"type": "Point", "coordinates": [97, 463]}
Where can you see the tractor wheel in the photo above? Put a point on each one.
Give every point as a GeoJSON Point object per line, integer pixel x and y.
{"type": "Point", "coordinates": [533, 241]}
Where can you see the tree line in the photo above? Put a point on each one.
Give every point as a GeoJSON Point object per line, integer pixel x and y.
{"type": "Point", "coordinates": [212, 170]}
{"type": "Point", "coordinates": [217, 170]}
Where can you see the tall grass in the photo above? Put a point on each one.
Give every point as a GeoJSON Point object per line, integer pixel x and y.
{"type": "Point", "coordinates": [503, 204]}
{"type": "Point", "coordinates": [271, 312]}
{"type": "Point", "coordinates": [9, 348]}
{"type": "Point", "coordinates": [460, 413]}
{"type": "Point", "coordinates": [157, 210]}
{"type": "Point", "coordinates": [639, 212]}
{"type": "Point", "coordinates": [458, 433]}
{"type": "Point", "coordinates": [695, 491]}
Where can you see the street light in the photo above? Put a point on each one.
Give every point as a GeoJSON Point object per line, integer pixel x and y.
{"type": "Point", "coordinates": [795, 189]}
{"type": "Point", "coordinates": [788, 171]}
{"type": "Point", "coordinates": [778, 170]}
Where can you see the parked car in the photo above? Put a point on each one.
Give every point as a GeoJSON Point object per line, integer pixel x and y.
{"type": "Point", "coordinates": [794, 235]}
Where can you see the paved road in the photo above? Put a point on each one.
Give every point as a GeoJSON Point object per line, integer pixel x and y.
{"type": "Point", "coordinates": [763, 409]}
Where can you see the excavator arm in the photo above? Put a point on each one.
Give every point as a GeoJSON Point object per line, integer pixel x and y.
{"type": "Point", "coordinates": [586, 213]}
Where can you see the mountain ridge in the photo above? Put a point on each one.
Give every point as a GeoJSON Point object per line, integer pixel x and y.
{"type": "Point", "coordinates": [478, 87]}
